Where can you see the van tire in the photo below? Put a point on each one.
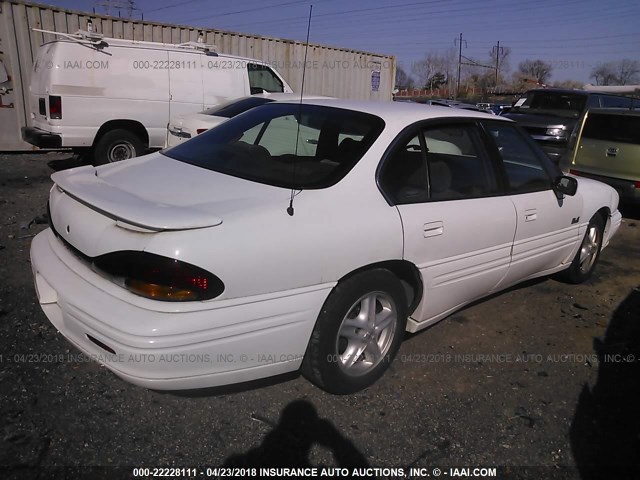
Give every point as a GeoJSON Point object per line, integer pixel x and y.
{"type": "Point", "coordinates": [116, 145]}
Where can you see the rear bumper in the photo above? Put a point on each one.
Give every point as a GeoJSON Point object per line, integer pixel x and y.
{"type": "Point", "coordinates": [40, 138]}
{"type": "Point", "coordinates": [201, 345]}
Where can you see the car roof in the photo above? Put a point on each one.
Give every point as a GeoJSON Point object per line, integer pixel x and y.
{"type": "Point", "coordinates": [400, 111]}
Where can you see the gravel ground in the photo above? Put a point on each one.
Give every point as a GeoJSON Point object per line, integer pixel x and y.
{"type": "Point", "coordinates": [536, 376]}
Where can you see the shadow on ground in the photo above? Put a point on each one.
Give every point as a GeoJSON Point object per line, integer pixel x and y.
{"type": "Point", "coordinates": [605, 432]}
{"type": "Point", "coordinates": [289, 443]}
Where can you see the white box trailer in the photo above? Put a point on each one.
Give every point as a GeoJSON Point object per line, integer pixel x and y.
{"type": "Point", "coordinates": [331, 71]}
{"type": "Point", "coordinates": [113, 98]}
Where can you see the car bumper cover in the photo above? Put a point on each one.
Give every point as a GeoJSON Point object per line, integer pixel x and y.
{"type": "Point", "coordinates": [218, 343]}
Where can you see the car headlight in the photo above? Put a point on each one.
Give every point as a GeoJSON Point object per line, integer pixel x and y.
{"type": "Point", "coordinates": [557, 132]}
{"type": "Point", "coordinates": [157, 277]}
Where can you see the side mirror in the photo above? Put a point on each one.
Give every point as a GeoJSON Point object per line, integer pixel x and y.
{"type": "Point", "coordinates": [565, 185]}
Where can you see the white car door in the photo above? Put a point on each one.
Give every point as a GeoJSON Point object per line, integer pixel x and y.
{"type": "Point", "coordinates": [458, 228]}
{"type": "Point", "coordinates": [547, 226]}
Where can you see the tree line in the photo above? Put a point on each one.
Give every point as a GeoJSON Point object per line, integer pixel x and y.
{"type": "Point", "coordinates": [437, 70]}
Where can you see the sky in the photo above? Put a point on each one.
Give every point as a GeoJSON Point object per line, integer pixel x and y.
{"type": "Point", "coordinates": [574, 36]}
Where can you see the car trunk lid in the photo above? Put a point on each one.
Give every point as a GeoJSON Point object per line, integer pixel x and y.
{"type": "Point", "coordinates": [157, 193]}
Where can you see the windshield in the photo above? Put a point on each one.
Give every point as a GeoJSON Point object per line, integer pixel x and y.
{"type": "Point", "coordinates": [557, 103]}
{"type": "Point", "coordinates": [236, 107]}
{"type": "Point", "coordinates": [286, 145]}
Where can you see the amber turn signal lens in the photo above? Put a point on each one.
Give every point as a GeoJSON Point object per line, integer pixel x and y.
{"type": "Point", "coordinates": [160, 292]}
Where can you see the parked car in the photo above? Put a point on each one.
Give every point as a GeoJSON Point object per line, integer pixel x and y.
{"type": "Point", "coordinates": [607, 148]}
{"type": "Point", "coordinates": [184, 127]}
{"type": "Point", "coordinates": [111, 99]}
{"type": "Point", "coordinates": [226, 259]}
{"type": "Point", "coordinates": [551, 114]}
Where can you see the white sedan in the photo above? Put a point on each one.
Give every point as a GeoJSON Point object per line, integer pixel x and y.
{"type": "Point", "coordinates": [248, 252]}
{"type": "Point", "coordinates": [183, 127]}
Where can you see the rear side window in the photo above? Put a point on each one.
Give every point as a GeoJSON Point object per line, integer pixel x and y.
{"type": "Point", "coordinates": [457, 167]}
{"type": "Point", "coordinates": [613, 128]}
{"type": "Point", "coordinates": [262, 78]}
{"type": "Point", "coordinates": [439, 163]}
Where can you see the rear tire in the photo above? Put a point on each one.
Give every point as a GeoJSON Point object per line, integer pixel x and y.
{"type": "Point", "coordinates": [117, 145]}
{"type": "Point", "coordinates": [358, 333]}
{"type": "Point", "coordinates": [587, 256]}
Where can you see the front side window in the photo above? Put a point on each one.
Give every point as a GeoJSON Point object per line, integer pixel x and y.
{"type": "Point", "coordinates": [523, 167]}
{"type": "Point", "coordinates": [263, 79]}
{"type": "Point", "coordinates": [285, 145]}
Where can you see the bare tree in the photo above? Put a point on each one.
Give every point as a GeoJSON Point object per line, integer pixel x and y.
{"type": "Point", "coordinates": [424, 69]}
{"type": "Point", "coordinates": [604, 74]}
{"type": "Point", "coordinates": [621, 72]}
{"type": "Point", "coordinates": [627, 71]}
{"type": "Point", "coordinates": [403, 81]}
{"type": "Point", "coordinates": [433, 70]}
{"type": "Point", "coordinates": [535, 70]}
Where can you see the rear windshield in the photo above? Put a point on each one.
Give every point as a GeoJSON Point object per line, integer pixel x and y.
{"type": "Point", "coordinates": [236, 107]}
{"type": "Point", "coordinates": [286, 145]}
{"type": "Point", "coordinates": [613, 128]}
{"type": "Point", "coordinates": [557, 103]}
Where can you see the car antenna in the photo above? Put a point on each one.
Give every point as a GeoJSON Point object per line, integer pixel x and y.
{"type": "Point", "coordinates": [290, 210]}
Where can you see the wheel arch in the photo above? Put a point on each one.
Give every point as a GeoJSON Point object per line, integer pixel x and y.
{"type": "Point", "coordinates": [406, 272]}
{"type": "Point", "coordinates": [132, 126]}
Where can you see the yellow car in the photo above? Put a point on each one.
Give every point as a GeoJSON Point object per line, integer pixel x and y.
{"type": "Point", "coordinates": [607, 148]}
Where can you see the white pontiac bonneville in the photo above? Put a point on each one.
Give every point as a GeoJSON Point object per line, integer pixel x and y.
{"type": "Point", "coordinates": [251, 251]}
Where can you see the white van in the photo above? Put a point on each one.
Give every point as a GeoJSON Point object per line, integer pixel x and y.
{"type": "Point", "coordinates": [112, 99]}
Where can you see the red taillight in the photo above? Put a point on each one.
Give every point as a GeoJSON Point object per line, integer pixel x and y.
{"type": "Point", "coordinates": [200, 130]}
{"type": "Point", "coordinates": [637, 184]}
{"type": "Point", "coordinates": [574, 172]}
{"type": "Point", "coordinates": [158, 277]}
{"type": "Point", "coordinates": [55, 106]}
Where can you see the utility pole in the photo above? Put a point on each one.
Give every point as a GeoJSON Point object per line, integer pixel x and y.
{"type": "Point", "coordinates": [498, 51]}
{"type": "Point", "coordinates": [459, 63]}
{"type": "Point", "coordinates": [128, 5]}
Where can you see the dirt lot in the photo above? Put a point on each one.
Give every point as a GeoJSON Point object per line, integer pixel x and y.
{"type": "Point", "coordinates": [542, 376]}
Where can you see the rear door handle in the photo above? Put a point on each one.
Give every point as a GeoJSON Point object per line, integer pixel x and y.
{"type": "Point", "coordinates": [530, 215]}
{"type": "Point", "coordinates": [433, 229]}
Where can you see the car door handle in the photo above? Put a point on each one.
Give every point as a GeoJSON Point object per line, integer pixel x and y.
{"type": "Point", "coordinates": [530, 215]}
{"type": "Point", "coordinates": [433, 229]}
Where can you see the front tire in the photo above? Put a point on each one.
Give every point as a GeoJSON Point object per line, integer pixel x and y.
{"type": "Point", "coordinates": [117, 145]}
{"type": "Point", "coordinates": [358, 333]}
{"type": "Point", "coordinates": [587, 256]}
